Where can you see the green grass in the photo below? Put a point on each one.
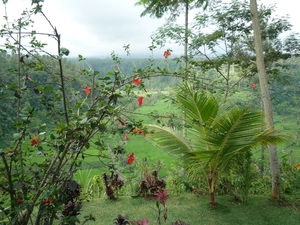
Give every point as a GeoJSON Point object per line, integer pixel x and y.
{"type": "Point", "coordinates": [194, 210]}
{"type": "Point", "coordinates": [137, 144]}
{"type": "Point", "coordinates": [142, 149]}
{"type": "Point", "coordinates": [158, 106]}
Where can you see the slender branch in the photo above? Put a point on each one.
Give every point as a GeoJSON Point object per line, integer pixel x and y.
{"type": "Point", "coordinates": [63, 85]}
{"type": "Point", "coordinates": [9, 179]}
{"type": "Point", "coordinates": [27, 33]}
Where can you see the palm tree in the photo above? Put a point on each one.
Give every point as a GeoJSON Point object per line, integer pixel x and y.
{"type": "Point", "coordinates": [216, 134]}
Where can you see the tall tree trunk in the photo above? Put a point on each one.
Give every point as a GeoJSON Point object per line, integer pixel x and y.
{"type": "Point", "coordinates": [186, 37]}
{"type": "Point", "coordinates": [211, 185]}
{"type": "Point", "coordinates": [265, 95]}
{"type": "Point", "coordinates": [185, 55]}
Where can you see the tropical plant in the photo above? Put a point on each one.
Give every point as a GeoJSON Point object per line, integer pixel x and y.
{"type": "Point", "coordinates": [151, 184]}
{"type": "Point", "coordinates": [121, 220]}
{"type": "Point", "coordinates": [161, 198]}
{"type": "Point", "coordinates": [179, 222]}
{"type": "Point", "coordinates": [145, 221]}
{"type": "Point", "coordinates": [112, 186]}
{"type": "Point", "coordinates": [216, 134]}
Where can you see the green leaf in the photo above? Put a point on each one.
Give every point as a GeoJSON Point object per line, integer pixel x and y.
{"type": "Point", "coordinates": [61, 148]}
{"type": "Point", "coordinates": [65, 51]}
{"type": "Point", "coordinates": [80, 58]}
{"type": "Point", "coordinates": [47, 89]}
{"type": "Point", "coordinates": [98, 143]}
{"type": "Point", "coordinates": [17, 135]}
{"type": "Point", "coordinates": [84, 120]}
{"type": "Point", "coordinates": [16, 94]}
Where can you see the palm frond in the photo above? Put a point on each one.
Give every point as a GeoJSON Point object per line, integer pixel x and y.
{"type": "Point", "coordinates": [169, 140]}
{"type": "Point", "coordinates": [237, 130]}
{"type": "Point", "coordinates": [199, 107]}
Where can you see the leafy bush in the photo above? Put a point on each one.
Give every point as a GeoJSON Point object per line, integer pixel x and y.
{"type": "Point", "coordinates": [290, 178]}
{"type": "Point", "coordinates": [112, 185]}
{"type": "Point", "coordinates": [151, 184]}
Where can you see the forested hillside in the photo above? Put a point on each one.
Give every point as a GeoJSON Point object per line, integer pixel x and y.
{"type": "Point", "coordinates": [284, 86]}
{"type": "Point", "coordinates": [129, 67]}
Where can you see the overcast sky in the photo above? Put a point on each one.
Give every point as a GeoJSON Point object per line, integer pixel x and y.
{"type": "Point", "coordinates": [98, 27]}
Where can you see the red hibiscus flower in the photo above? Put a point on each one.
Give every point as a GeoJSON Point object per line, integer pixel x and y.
{"type": "Point", "coordinates": [122, 122]}
{"type": "Point", "coordinates": [136, 81]}
{"type": "Point", "coordinates": [126, 137]}
{"type": "Point", "coordinates": [47, 201]}
{"type": "Point", "coordinates": [20, 201]}
{"type": "Point", "coordinates": [140, 100]}
{"type": "Point", "coordinates": [254, 85]}
{"type": "Point", "coordinates": [35, 141]}
{"type": "Point", "coordinates": [87, 90]}
{"type": "Point", "coordinates": [139, 131]}
{"type": "Point", "coordinates": [130, 159]}
{"type": "Point", "coordinates": [167, 53]}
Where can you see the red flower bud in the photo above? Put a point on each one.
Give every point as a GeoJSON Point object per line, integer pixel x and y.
{"type": "Point", "coordinates": [87, 90]}
{"type": "Point", "coordinates": [140, 100]}
{"type": "Point", "coordinates": [130, 159]}
{"type": "Point", "coordinates": [35, 141]}
{"type": "Point", "coordinates": [167, 53]}
{"type": "Point", "coordinates": [136, 81]}
{"type": "Point", "coordinates": [122, 122]}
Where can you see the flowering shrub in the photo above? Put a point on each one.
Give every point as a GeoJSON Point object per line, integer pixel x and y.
{"type": "Point", "coordinates": [72, 191]}
{"type": "Point", "coordinates": [55, 118]}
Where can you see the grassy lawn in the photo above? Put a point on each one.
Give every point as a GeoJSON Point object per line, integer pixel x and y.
{"type": "Point", "coordinates": [194, 210]}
